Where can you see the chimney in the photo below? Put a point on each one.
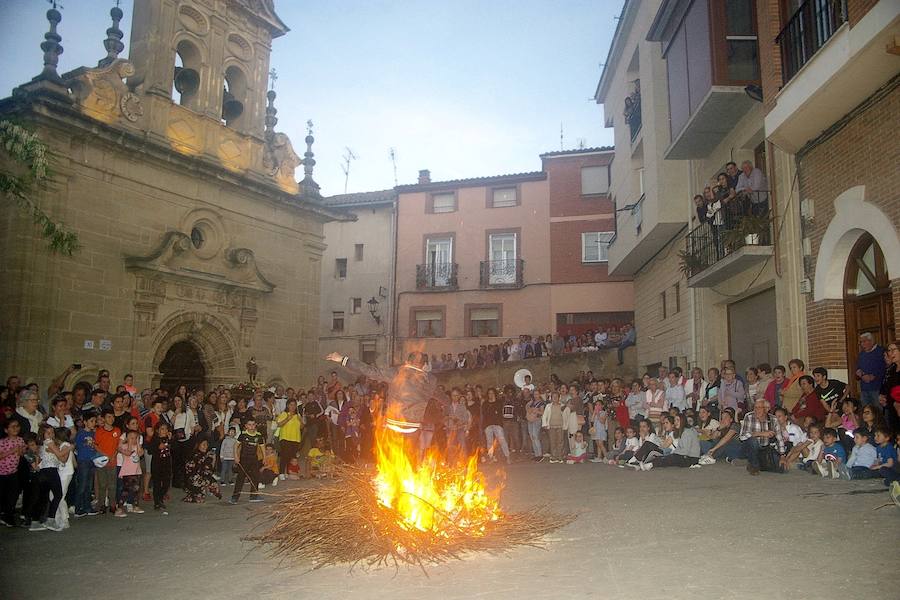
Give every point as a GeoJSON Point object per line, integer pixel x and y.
{"type": "Point", "coordinates": [424, 176]}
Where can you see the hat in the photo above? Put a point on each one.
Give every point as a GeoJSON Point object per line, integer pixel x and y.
{"type": "Point", "coordinates": [101, 461]}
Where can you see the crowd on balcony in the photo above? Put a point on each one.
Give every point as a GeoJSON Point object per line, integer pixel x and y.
{"type": "Point", "coordinates": [527, 347]}
{"type": "Point", "coordinates": [736, 201]}
{"type": "Point", "coordinates": [92, 450]}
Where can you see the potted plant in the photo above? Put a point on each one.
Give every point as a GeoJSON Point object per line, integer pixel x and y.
{"type": "Point", "coordinates": [749, 231]}
{"type": "Point", "coordinates": [689, 263]}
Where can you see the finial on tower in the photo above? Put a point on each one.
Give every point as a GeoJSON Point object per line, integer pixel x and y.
{"type": "Point", "coordinates": [51, 45]}
{"type": "Point", "coordinates": [271, 111]}
{"type": "Point", "coordinates": [113, 42]}
{"type": "Point", "coordinates": [308, 186]}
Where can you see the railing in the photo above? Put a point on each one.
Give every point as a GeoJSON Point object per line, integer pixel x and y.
{"type": "Point", "coordinates": [502, 273]}
{"type": "Point", "coordinates": [743, 221]}
{"type": "Point", "coordinates": [436, 276]}
{"type": "Point", "coordinates": [807, 31]}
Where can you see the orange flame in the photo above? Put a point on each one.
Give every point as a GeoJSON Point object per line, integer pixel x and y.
{"type": "Point", "coordinates": [436, 496]}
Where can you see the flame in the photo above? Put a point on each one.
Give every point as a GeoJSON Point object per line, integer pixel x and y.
{"type": "Point", "coordinates": [440, 496]}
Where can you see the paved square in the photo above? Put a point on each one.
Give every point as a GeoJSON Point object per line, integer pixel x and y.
{"type": "Point", "coordinates": [671, 534]}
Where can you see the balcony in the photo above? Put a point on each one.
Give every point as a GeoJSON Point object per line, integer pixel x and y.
{"type": "Point", "coordinates": [437, 276]}
{"type": "Point", "coordinates": [502, 273]}
{"type": "Point", "coordinates": [742, 238]}
{"type": "Point", "coordinates": [807, 31]}
{"type": "Point", "coordinates": [711, 54]}
{"type": "Point", "coordinates": [830, 67]}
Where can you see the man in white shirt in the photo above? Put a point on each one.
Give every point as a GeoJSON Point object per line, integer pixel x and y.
{"type": "Point", "coordinates": [752, 183]}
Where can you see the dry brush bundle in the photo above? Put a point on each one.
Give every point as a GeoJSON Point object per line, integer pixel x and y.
{"type": "Point", "coordinates": [343, 522]}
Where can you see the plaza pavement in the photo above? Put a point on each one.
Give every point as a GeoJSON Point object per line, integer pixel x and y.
{"type": "Point", "coordinates": [710, 533]}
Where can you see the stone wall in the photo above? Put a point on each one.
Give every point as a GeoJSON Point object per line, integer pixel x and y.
{"type": "Point", "coordinates": [566, 367]}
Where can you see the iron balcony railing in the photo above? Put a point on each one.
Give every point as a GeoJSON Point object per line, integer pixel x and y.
{"type": "Point", "coordinates": [807, 31]}
{"type": "Point", "coordinates": [503, 273]}
{"type": "Point", "coordinates": [633, 117]}
{"type": "Point", "coordinates": [436, 276]}
{"type": "Point", "coordinates": [743, 221]}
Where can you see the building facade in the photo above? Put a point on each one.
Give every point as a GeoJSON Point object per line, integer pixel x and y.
{"type": "Point", "coordinates": [199, 248]}
{"type": "Point", "coordinates": [680, 88]}
{"type": "Point", "coordinates": [357, 278]}
{"type": "Point", "coordinates": [480, 261]}
{"type": "Point", "coordinates": [832, 114]}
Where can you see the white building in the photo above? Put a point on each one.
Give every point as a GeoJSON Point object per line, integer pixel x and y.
{"type": "Point", "coordinates": [357, 278]}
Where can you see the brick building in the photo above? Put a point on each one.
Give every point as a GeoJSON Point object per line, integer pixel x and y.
{"type": "Point", "coordinates": [832, 99]}
{"type": "Point", "coordinates": [483, 260]}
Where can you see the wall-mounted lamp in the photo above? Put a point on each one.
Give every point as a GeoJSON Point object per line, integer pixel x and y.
{"type": "Point", "coordinates": [373, 309]}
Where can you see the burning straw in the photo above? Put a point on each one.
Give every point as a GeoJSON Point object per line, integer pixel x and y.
{"type": "Point", "coordinates": [344, 522]}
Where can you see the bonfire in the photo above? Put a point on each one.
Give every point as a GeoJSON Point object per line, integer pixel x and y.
{"type": "Point", "coordinates": [402, 513]}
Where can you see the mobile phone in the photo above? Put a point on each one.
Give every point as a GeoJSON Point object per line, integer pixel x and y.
{"type": "Point", "coordinates": [76, 366]}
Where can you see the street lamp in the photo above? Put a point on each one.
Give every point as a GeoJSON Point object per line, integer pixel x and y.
{"type": "Point", "coordinates": [373, 309]}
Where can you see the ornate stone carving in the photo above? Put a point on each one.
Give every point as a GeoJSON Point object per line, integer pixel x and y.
{"type": "Point", "coordinates": [281, 161]}
{"type": "Point", "coordinates": [102, 94]}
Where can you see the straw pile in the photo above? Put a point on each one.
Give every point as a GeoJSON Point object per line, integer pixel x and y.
{"type": "Point", "coordinates": [343, 523]}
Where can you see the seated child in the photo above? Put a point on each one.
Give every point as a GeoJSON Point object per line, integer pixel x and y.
{"type": "Point", "coordinates": [806, 452]}
{"type": "Point", "coordinates": [862, 457]}
{"type": "Point", "coordinates": [578, 451]}
{"type": "Point", "coordinates": [268, 474]}
{"type": "Point", "coordinates": [293, 470]}
{"type": "Point", "coordinates": [618, 446]}
{"type": "Point", "coordinates": [886, 465]}
{"type": "Point", "coordinates": [321, 458]}
{"type": "Point", "coordinates": [833, 455]}
{"type": "Point", "coordinates": [632, 443]}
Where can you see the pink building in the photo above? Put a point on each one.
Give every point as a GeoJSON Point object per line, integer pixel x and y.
{"type": "Point", "coordinates": [474, 265]}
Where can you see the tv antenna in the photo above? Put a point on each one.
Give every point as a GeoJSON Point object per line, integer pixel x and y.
{"type": "Point", "coordinates": [560, 135]}
{"type": "Point", "coordinates": [582, 143]}
{"type": "Point", "coordinates": [348, 156]}
{"type": "Point", "coordinates": [394, 162]}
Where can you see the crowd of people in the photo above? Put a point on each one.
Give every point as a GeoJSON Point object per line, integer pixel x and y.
{"type": "Point", "coordinates": [92, 450]}
{"type": "Point", "coordinates": [528, 347]}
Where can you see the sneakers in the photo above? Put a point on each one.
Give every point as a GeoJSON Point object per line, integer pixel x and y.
{"type": "Point", "coordinates": [706, 459]}
{"type": "Point", "coordinates": [35, 526]}
{"type": "Point", "coordinates": [282, 477]}
{"type": "Point", "coordinates": [729, 460]}
{"type": "Point", "coordinates": [597, 460]}
{"type": "Point", "coordinates": [635, 465]}
{"type": "Point", "coordinates": [51, 525]}
{"type": "Point", "coordinates": [120, 513]}
{"type": "Point", "coordinates": [646, 466]}
{"type": "Point", "coordinates": [275, 482]}
{"type": "Point", "coordinates": [5, 523]}
{"type": "Point", "coordinates": [232, 501]}
{"type": "Point", "coordinates": [129, 507]}
{"type": "Point", "coordinates": [255, 498]}
{"type": "Point", "coordinates": [137, 510]}
{"type": "Point", "coordinates": [570, 462]}
{"type": "Point", "coordinates": [261, 486]}
{"type": "Point", "coordinates": [696, 466]}
{"type": "Point", "coordinates": [895, 492]}
{"type": "Point", "coordinates": [752, 470]}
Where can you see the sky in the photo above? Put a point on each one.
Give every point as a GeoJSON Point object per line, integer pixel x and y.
{"type": "Point", "coordinates": [464, 88]}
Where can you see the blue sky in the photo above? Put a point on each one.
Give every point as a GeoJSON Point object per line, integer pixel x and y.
{"type": "Point", "coordinates": [463, 88]}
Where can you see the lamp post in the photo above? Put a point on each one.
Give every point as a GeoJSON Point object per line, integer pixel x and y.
{"type": "Point", "coordinates": [373, 309]}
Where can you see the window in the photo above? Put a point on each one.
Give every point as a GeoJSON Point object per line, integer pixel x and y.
{"type": "Point", "coordinates": [595, 246]}
{"type": "Point", "coordinates": [677, 297]}
{"type": "Point", "coordinates": [337, 321]}
{"type": "Point", "coordinates": [484, 322]}
{"type": "Point", "coordinates": [504, 197]}
{"type": "Point", "coordinates": [740, 40]}
{"type": "Point", "coordinates": [197, 237]}
{"type": "Point", "coordinates": [359, 251]}
{"type": "Point", "coordinates": [355, 306]}
{"type": "Point", "coordinates": [662, 302]}
{"type": "Point", "coordinates": [594, 180]}
{"type": "Point", "coordinates": [340, 268]}
{"type": "Point", "coordinates": [443, 203]}
{"type": "Point", "coordinates": [368, 351]}
{"type": "Point", "coordinates": [429, 323]}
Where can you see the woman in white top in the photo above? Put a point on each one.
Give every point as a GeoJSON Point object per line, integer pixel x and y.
{"type": "Point", "coordinates": [56, 453]}
{"type": "Point", "coordinates": [753, 387]}
{"type": "Point", "coordinates": [695, 388]}
{"type": "Point", "coordinates": [649, 448]}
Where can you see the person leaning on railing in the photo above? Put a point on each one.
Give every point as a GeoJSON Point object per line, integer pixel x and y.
{"type": "Point", "coordinates": [753, 186]}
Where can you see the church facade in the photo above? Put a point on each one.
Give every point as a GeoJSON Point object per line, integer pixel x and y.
{"type": "Point", "coordinates": [199, 247]}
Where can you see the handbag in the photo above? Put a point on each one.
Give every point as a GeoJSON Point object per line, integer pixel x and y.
{"type": "Point", "coordinates": [770, 460]}
{"type": "Point", "coordinates": [180, 435]}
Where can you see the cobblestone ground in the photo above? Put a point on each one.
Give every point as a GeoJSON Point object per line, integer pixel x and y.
{"type": "Point", "coordinates": [712, 533]}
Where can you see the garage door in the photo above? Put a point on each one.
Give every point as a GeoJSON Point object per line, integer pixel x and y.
{"type": "Point", "coordinates": [753, 330]}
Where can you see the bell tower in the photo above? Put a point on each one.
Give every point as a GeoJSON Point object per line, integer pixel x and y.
{"type": "Point", "coordinates": [209, 56]}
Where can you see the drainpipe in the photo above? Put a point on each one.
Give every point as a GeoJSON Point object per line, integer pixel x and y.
{"type": "Point", "coordinates": [693, 292]}
{"type": "Point", "coordinates": [393, 283]}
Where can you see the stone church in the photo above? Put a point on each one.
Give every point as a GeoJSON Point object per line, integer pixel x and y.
{"type": "Point", "coordinates": [199, 247]}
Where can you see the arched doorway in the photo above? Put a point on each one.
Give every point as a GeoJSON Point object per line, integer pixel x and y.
{"type": "Point", "coordinates": [868, 305]}
{"type": "Point", "coordinates": [182, 365]}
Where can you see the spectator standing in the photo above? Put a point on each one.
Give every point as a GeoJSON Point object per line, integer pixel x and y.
{"type": "Point", "coordinates": [753, 185]}
{"type": "Point", "coordinates": [289, 431]}
{"type": "Point", "coordinates": [870, 369]}
{"type": "Point", "coordinates": [492, 420]}
{"type": "Point", "coordinates": [554, 420]}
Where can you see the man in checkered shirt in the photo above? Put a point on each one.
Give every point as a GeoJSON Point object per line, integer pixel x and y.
{"type": "Point", "coordinates": [759, 430]}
